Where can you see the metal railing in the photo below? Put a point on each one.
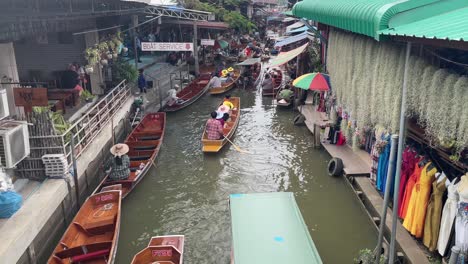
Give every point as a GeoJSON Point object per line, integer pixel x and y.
{"type": "Point", "coordinates": [88, 127]}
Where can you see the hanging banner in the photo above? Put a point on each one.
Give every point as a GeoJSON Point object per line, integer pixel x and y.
{"type": "Point", "coordinates": [207, 42]}
{"type": "Point", "coordinates": [166, 46]}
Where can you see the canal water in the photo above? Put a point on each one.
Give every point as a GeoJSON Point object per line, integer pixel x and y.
{"type": "Point", "coordinates": [187, 193]}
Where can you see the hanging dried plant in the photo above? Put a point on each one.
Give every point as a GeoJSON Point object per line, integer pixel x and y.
{"type": "Point", "coordinates": [415, 72]}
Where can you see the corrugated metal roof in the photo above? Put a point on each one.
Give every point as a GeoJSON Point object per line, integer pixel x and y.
{"type": "Point", "coordinates": [365, 17]}
{"type": "Point", "coordinates": [448, 26]}
{"type": "Point", "coordinates": [292, 39]}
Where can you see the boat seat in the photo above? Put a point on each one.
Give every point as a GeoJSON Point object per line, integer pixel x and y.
{"type": "Point", "coordinates": [137, 158]}
{"type": "Point", "coordinates": [100, 225]}
{"type": "Point", "coordinates": [100, 254]}
{"type": "Point", "coordinates": [86, 250]}
{"type": "Point", "coordinates": [143, 147]}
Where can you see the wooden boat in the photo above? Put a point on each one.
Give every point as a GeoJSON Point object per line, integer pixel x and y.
{"type": "Point", "coordinates": [144, 143]}
{"type": "Point", "coordinates": [227, 86]}
{"type": "Point", "coordinates": [162, 250]}
{"type": "Point", "coordinates": [277, 82]}
{"type": "Point", "coordinates": [94, 232]}
{"type": "Point", "coordinates": [191, 93]}
{"type": "Point", "coordinates": [274, 219]}
{"type": "Point", "coordinates": [229, 129]}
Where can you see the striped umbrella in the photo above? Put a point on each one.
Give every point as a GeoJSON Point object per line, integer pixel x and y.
{"type": "Point", "coordinates": [315, 81]}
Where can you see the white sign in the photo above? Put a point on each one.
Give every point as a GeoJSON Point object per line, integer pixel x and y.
{"type": "Point", "coordinates": [166, 46]}
{"type": "Point", "coordinates": [207, 42]}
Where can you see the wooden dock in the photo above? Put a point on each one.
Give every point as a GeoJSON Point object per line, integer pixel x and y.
{"type": "Point", "coordinates": [356, 163]}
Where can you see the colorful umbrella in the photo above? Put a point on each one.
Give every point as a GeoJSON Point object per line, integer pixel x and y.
{"type": "Point", "coordinates": [315, 81]}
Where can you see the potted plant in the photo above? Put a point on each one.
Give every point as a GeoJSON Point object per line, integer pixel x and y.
{"type": "Point", "coordinates": [89, 69]}
{"type": "Point", "coordinates": [104, 62]}
{"type": "Point", "coordinates": [87, 96]}
{"type": "Point", "coordinates": [92, 55]}
{"type": "Point", "coordinates": [124, 49]}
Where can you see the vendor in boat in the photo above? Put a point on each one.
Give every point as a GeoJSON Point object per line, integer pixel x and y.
{"type": "Point", "coordinates": [119, 165]}
{"type": "Point", "coordinates": [215, 82]}
{"type": "Point", "coordinates": [227, 101]}
{"type": "Point", "coordinates": [172, 94]}
{"type": "Point", "coordinates": [286, 94]}
{"type": "Point", "coordinates": [214, 129]}
{"type": "Point", "coordinates": [228, 79]}
{"type": "Point", "coordinates": [267, 83]}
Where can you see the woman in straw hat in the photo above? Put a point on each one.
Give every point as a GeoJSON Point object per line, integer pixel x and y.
{"type": "Point", "coordinates": [120, 164]}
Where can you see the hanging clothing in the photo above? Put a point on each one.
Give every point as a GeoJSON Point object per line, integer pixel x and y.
{"type": "Point", "coordinates": [409, 161]}
{"type": "Point", "coordinates": [383, 165]}
{"type": "Point", "coordinates": [375, 153]}
{"type": "Point", "coordinates": [461, 227]}
{"type": "Point", "coordinates": [448, 217]}
{"type": "Point", "coordinates": [403, 206]}
{"type": "Point", "coordinates": [414, 221]}
{"type": "Point", "coordinates": [433, 214]}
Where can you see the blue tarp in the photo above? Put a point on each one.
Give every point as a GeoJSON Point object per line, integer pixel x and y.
{"type": "Point", "coordinates": [297, 30]}
{"type": "Point", "coordinates": [10, 202]}
{"type": "Point", "coordinates": [292, 39]}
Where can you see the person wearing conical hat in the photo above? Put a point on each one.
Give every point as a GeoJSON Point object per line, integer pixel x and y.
{"type": "Point", "coordinates": [120, 164]}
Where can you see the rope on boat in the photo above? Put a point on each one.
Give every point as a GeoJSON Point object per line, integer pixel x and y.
{"type": "Point", "coordinates": [102, 209]}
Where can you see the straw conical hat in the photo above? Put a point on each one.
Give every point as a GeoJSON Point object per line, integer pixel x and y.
{"type": "Point", "coordinates": [119, 149]}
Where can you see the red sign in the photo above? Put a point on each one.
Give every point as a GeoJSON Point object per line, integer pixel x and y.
{"type": "Point", "coordinates": [161, 253]}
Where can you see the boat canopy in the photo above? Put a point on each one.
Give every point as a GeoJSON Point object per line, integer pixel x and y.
{"type": "Point", "coordinates": [268, 228]}
{"type": "Point", "coordinates": [297, 30]}
{"type": "Point", "coordinates": [292, 39]}
{"type": "Point", "coordinates": [295, 25]}
{"type": "Point", "coordinates": [250, 61]}
{"type": "Point", "coordinates": [284, 57]}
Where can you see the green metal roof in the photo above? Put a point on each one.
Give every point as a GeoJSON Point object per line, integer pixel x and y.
{"type": "Point", "coordinates": [452, 25]}
{"type": "Point", "coordinates": [268, 228]}
{"type": "Point", "coordinates": [365, 17]}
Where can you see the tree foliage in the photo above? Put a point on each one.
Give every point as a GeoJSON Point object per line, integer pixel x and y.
{"type": "Point", "coordinates": [225, 13]}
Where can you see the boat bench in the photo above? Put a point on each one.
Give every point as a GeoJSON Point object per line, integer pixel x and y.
{"type": "Point", "coordinates": [100, 226]}
{"type": "Point", "coordinates": [84, 253]}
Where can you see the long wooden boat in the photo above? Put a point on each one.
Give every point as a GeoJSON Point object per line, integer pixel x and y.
{"type": "Point", "coordinates": [227, 86]}
{"type": "Point", "coordinates": [191, 93]}
{"type": "Point", "coordinates": [162, 250]}
{"type": "Point", "coordinates": [229, 129]}
{"type": "Point", "coordinates": [144, 143]}
{"type": "Point", "coordinates": [276, 221]}
{"type": "Point", "coordinates": [94, 232]}
{"type": "Point", "coordinates": [277, 82]}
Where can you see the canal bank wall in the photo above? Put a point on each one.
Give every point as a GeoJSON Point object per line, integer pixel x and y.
{"type": "Point", "coordinates": [356, 171]}
{"type": "Point", "coordinates": [30, 235]}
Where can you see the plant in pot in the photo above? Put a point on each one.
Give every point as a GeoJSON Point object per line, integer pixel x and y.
{"type": "Point", "coordinates": [87, 96]}
{"type": "Point", "coordinates": [89, 69]}
{"type": "Point", "coordinates": [92, 55]}
{"type": "Point", "coordinates": [122, 70]}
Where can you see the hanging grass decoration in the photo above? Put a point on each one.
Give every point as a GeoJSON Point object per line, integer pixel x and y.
{"type": "Point", "coordinates": [368, 85]}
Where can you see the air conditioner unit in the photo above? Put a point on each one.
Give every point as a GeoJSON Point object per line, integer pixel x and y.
{"type": "Point", "coordinates": [14, 143]}
{"type": "Point", "coordinates": [4, 110]}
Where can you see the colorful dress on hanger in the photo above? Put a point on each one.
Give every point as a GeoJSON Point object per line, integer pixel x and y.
{"type": "Point", "coordinates": [409, 161]}
{"type": "Point", "coordinates": [414, 221]}
{"type": "Point", "coordinates": [448, 217]}
{"type": "Point", "coordinates": [433, 214]}
{"type": "Point", "coordinates": [403, 206]}
{"type": "Point", "coordinates": [383, 166]}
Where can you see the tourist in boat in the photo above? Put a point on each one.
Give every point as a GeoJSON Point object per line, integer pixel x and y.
{"type": "Point", "coordinates": [172, 94]}
{"type": "Point", "coordinates": [267, 83]}
{"type": "Point", "coordinates": [119, 165]}
{"type": "Point", "coordinates": [228, 78]}
{"type": "Point", "coordinates": [214, 129]}
{"type": "Point", "coordinates": [286, 94]}
{"type": "Point", "coordinates": [215, 82]}
{"type": "Point", "coordinates": [222, 117]}
{"type": "Point", "coordinates": [227, 101]}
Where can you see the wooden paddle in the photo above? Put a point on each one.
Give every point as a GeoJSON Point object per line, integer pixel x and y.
{"type": "Point", "coordinates": [237, 147]}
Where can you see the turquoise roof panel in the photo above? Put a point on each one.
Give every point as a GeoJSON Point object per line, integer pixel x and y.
{"type": "Point", "coordinates": [268, 228]}
{"type": "Point", "coordinates": [447, 26]}
{"type": "Point", "coordinates": [365, 17]}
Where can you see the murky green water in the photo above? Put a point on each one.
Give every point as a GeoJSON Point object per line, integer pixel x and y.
{"type": "Point", "coordinates": [188, 191]}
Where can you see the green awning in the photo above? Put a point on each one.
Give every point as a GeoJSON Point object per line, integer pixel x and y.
{"type": "Point", "coordinates": [268, 228]}
{"type": "Point", "coordinates": [447, 26]}
{"type": "Point", "coordinates": [365, 17]}
{"type": "Point", "coordinates": [250, 61]}
{"type": "Point", "coordinates": [288, 13]}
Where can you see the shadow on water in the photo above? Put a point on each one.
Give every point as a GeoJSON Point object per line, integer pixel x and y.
{"type": "Point", "coordinates": [188, 191]}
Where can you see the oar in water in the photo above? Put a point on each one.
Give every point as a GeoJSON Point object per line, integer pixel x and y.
{"type": "Point", "coordinates": [237, 147]}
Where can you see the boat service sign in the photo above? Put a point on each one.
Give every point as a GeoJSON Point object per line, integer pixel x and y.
{"type": "Point", "coordinates": [207, 42]}
{"type": "Point", "coordinates": [166, 46]}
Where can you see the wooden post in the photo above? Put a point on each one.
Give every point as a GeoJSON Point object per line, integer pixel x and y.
{"type": "Point", "coordinates": [134, 31]}
{"type": "Point", "coordinates": [195, 48]}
